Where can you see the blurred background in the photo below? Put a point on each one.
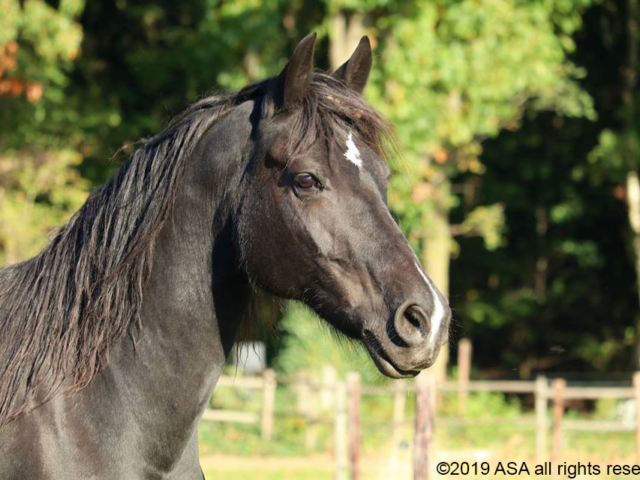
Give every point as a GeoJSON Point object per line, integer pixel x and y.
{"type": "Point", "coordinates": [517, 183]}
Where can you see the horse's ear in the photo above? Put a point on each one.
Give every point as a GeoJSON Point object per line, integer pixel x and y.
{"type": "Point", "coordinates": [294, 79]}
{"type": "Point", "coordinates": [355, 71]}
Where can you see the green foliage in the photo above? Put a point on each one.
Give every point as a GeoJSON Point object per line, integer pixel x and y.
{"type": "Point", "coordinates": [40, 186]}
{"type": "Point", "coordinates": [486, 222]}
{"type": "Point", "coordinates": [47, 35]}
{"type": "Point", "coordinates": [46, 41]}
{"type": "Point", "coordinates": [452, 74]}
{"type": "Point", "coordinates": [310, 345]}
{"type": "Point", "coordinates": [614, 156]}
{"type": "Point", "coordinates": [38, 193]}
{"type": "Point", "coordinates": [482, 406]}
{"type": "Point", "coordinates": [467, 84]}
{"type": "Point", "coordinates": [459, 71]}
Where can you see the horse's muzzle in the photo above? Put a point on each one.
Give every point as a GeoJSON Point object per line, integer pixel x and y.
{"type": "Point", "coordinates": [411, 339]}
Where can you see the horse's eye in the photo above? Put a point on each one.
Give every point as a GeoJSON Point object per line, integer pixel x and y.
{"type": "Point", "coordinates": [306, 181]}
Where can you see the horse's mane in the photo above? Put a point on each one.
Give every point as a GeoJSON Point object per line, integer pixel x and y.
{"type": "Point", "coordinates": [62, 311]}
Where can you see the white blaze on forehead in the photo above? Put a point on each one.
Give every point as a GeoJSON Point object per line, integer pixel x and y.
{"type": "Point", "coordinates": [353, 154]}
{"type": "Point", "coordinates": [438, 308]}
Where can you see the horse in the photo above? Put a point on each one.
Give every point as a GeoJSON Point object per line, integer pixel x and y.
{"type": "Point", "coordinates": [114, 336]}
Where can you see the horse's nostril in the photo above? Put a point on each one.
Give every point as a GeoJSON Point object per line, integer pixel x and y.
{"type": "Point", "coordinates": [411, 323]}
{"type": "Point", "coordinates": [413, 316]}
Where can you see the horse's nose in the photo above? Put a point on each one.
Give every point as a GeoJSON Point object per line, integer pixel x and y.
{"type": "Point", "coordinates": [411, 322]}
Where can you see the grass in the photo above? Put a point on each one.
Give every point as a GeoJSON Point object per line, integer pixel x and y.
{"type": "Point", "coordinates": [279, 475]}
{"type": "Point", "coordinates": [500, 430]}
{"type": "Point", "coordinates": [227, 468]}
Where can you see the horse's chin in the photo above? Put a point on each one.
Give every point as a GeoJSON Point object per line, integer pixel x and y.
{"type": "Point", "coordinates": [386, 366]}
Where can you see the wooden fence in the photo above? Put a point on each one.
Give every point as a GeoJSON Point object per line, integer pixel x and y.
{"type": "Point", "coordinates": [343, 398]}
{"type": "Point", "coordinates": [268, 386]}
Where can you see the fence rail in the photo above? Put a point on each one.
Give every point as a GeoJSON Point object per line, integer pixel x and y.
{"type": "Point", "coordinates": [329, 393]}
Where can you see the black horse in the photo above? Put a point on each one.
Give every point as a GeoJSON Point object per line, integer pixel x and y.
{"type": "Point", "coordinates": [112, 338]}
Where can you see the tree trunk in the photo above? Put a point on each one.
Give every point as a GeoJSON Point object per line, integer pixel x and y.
{"type": "Point", "coordinates": [252, 66]}
{"type": "Point", "coordinates": [436, 258]}
{"type": "Point", "coordinates": [630, 81]}
{"type": "Point", "coordinates": [633, 206]}
{"type": "Point", "coordinates": [345, 31]}
{"type": "Point", "coordinates": [542, 262]}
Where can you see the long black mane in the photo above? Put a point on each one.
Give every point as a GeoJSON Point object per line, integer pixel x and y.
{"type": "Point", "coordinates": [62, 311]}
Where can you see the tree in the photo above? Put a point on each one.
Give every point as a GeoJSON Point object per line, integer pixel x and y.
{"type": "Point", "coordinates": [488, 102]}
{"type": "Point", "coordinates": [616, 155]}
{"type": "Point", "coordinates": [39, 186]}
{"type": "Point", "coordinates": [560, 294]}
{"type": "Point", "coordinates": [452, 74]}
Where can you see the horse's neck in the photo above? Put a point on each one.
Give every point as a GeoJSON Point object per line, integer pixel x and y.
{"type": "Point", "coordinates": [191, 309]}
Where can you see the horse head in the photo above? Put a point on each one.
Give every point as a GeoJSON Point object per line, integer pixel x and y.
{"type": "Point", "coordinates": [314, 224]}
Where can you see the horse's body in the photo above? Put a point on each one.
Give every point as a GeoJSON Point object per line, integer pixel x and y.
{"type": "Point", "coordinates": [82, 398]}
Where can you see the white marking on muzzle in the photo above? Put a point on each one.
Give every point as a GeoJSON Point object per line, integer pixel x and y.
{"type": "Point", "coordinates": [353, 154]}
{"type": "Point", "coordinates": [438, 308]}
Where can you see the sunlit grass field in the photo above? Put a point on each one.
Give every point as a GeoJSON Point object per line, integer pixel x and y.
{"type": "Point", "coordinates": [500, 430]}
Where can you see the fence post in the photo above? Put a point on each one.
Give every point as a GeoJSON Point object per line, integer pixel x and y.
{"type": "Point", "coordinates": [329, 378]}
{"type": "Point", "coordinates": [268, 403]}
{"type": "Point", "coordinates": [559, 385]}
{"type": "Point", "coordinates": [399, 403]}
{"type": "Point", "coordinates": [636, 394]}
{"type": "Point", "coordinates": [340, 432]}
{"type": "Point", "coordinates": [464, 372]}
{"type": "Point", "coordinates": [302, 390]}
{"type": "Point", "coordinates": [541, 417]}
{"type": "Point", "coordinates": [307, 404]}
{"type": "Point", "coordinates": [353, 387]}
{"type": "Point", "coordinates": [425, 412]}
